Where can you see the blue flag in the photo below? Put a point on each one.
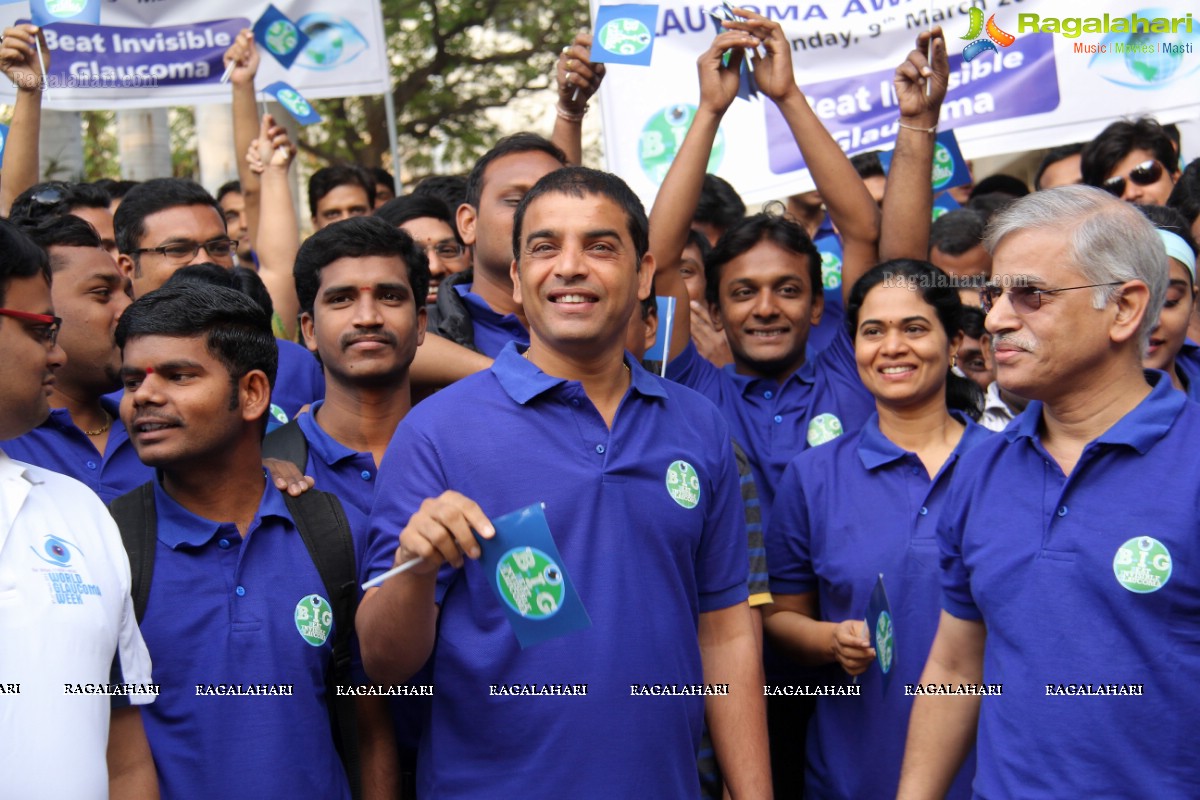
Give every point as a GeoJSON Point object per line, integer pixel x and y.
{"type": "Point", "coordinates": [3, 140]}
{"type": "Point", "coordinates": [624, 34]}
{"type": "Point", "coordinates": [279, 36]}
{"type": "Point", "coordinates": [48, 12]}
{"type": "Point", "coordinates": [949, 166]}
{"type": "Point", "coordinates": [294, 102]}
{"type": "Point", "coordinates": [880, 626]}
{"type": "Point", "coordinates": [656, 357]}
{"type": "Point", "coordinates": [526, 572]}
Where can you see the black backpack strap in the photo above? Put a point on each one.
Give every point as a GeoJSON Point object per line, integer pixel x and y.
{"type": "Point", "coordinates": [326, 533]}
{"type": "Point", "coordinates": [138, 522]}
{"type": "Point", "coordinates": [287, 443]}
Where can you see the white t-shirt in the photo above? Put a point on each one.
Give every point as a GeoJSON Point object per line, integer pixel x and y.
{"type": "Point", "coordinates": [65, 611]}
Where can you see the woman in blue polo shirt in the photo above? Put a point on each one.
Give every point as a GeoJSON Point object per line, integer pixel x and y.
{"type": "Point", "coordinates": [868, 504]}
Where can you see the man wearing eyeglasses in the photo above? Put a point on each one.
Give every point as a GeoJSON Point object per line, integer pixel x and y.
{"type": "Point", "coordinates": [166, 224]}
{"type": "Point", "coordinates": [1135, 161]}
{"type": "Point", "coordinates": [67, 620]}
{"type": "Point", "coordinates": [1067, 576]}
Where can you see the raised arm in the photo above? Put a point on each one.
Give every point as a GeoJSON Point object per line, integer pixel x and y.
{"type": "Point", "coordinates": [18, 61]}
{"type": "Point", "coordinates": [578, 79]}
{"type": "Point", "coordinates": [675, 205]}
{"type": "Point", "coordinates": [246, 123]}
{"type": "Point", "coordinates": [278, 238]}
{"type": "Point", "coordinates": [941, 729]}
{"type": "Point", "coordinates": [908, 196]}
{"type": "Point", "coordinates": [850, 205]}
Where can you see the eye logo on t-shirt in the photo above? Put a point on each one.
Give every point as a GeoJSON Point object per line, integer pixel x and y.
{"type": "Point", "coordinates": [1142, 565]}
{"type": "Point", "coordinates": [314, 619]}
{"type": "Point", "coordinates": [683, 484]}
{"type": "Point", "coordinates": [54, 551]}
{"type": "Point", "coordinates": [823, 428]}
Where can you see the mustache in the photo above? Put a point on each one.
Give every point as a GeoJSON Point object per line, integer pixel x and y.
{"type": "Point", "coordinates": [386, 337]}
{"type": "Point", "coordinates": [157, 417]}
{"type": "Point", "coordinates": [1012, 340]}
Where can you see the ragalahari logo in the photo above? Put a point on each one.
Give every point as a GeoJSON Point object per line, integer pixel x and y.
{"type": "Point", "coordinates": [995, 36]}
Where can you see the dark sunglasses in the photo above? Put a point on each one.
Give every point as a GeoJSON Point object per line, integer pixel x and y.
{"type": "Point", "coordinates": [1024, 299]}
{"type": "Point", "coordinates": [1144, 174]}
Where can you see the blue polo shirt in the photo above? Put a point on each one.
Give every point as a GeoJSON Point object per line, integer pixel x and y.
{"type": "Point", "coordinates": [492, 331]}
{"type": "Point", "coordinates": [226, 610]}
{"type": "Point", "coordinates": [1087, 579]}
{"type": "Point", "coordinates": [644, 564]}
{"type": "Point", "coordinates": [846, 513]}
{"type": "Point", "coordinates": [775, 422]}
{"type": "Point", "coordinates": [336, 468]}
{"type": "Point", "coordinates": [60, 446]}
{"type": "Point", "coordinates": [1187, 366]}
{"type": "Point", "coordinates": [299, 380]}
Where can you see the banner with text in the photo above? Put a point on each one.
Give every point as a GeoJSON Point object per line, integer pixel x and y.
{"type": "Point", "coordinates": [146, 55]}
{"type": "Point", "coordinates": [1033, 77]}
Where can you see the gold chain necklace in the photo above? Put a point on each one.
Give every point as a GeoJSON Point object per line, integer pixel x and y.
{"type": "Point", "coordinates": [103, 428]}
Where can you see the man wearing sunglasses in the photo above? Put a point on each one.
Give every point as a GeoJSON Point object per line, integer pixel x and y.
{"type": "Point", "coordinates": [1135, 161]}
{"type": "Point", "coordinates": [67, 618]}
{"type": "Point", "coordinates": [1066, 560]}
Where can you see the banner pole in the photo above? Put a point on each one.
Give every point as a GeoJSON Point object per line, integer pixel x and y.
{"type": "Point", "coordinates": [389, 108]}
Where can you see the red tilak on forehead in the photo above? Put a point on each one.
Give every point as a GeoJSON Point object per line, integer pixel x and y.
{"type": "Point", "coordinates": [149, 370]}
{"type": "Point", "coordinates": [365, 288]}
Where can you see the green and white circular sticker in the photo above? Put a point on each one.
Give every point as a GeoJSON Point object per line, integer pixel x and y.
{"type": "Point", "coordinates": [1142, 565]}
{"type": "Point", "coordinates": [65, 8]}
{"type": "Point", "coordinates": [885, 641]}
{"type": "Point", "coordinates": [279, 414]}
{"type": "Point", "coordinates": [943, 166]}
{"type": "Point", "coordinates": [831, 271]}
{"type": "Point", "coordinates": [282, 37]}
{"type": "Point", "coordinates": [625, 36]}
{"type": "Point", "coordinates": [823, 428]}
{"type": "Point", "coordinates": [294, 103]}
{"type": "Point", "coordinates": [314, 619]}
{"type": "Point", "coordinates": [683, 484]}
{"type": "Point", "coordinates": [530, 582]}
{"type": "Point", "coordinates": [663, 134]}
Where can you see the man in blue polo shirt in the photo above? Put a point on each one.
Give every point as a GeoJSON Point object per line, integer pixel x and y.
{"type": "Point", "coordinates": [232, 578]}
{"type": "Point", "coordinates": [662, 573]}
{"type": "Point", "coordinates": [1059, 582]}
{"type": "Point", "coordinates": [83, 437]}
{"type": "Point", "coordinates": [476, 308]}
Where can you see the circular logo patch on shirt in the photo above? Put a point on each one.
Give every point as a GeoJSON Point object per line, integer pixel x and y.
{"type": "Point", "coordinates": [530, 582]}
{"type": "Point", "coordinates": [314, 619]}
{"type": "Point", "coordinates": [823, 428]}
{"type": "Point", "coordinates": [885, 642]}
{"type": "Point", "coordinates": [683, 484]}
{"type": "Point", "coordinates": [1142, 565]}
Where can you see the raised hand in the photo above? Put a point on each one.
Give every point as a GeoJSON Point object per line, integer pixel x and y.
{"type": "Point", "coordinates": [916, 107]}
{"type": "Point", "coordinates": [18, 57]}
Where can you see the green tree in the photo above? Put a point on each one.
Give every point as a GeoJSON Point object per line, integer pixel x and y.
{"type": "Point", "coordinates": [452, 60]}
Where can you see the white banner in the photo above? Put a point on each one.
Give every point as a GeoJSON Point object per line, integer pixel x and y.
{"type": "Point", "coordinates": [1054, 73]}
{"type": "Point", "coordinates": [168, 52]}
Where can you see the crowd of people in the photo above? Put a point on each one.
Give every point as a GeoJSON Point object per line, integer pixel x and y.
{"type": "Point", "coordinates": [215, 435]}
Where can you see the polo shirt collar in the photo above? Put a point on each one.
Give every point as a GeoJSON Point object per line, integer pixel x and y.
{"type": "Point", "coordinates": [178, 527]}
{"type": "Point", "coordinates": [1140, 429]}
{"type": "Point", "coordinates": [328, 449]}
{"type": "Point", "coordinates": [521, 379]}
{"type": "Point", "coordinates": [746, 383]}
{"type": "Point", "coordinates": [875, 450]}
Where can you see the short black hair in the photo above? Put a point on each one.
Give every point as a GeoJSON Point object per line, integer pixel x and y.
{"type": "Point", "coordinates": [1169, 219]}
{"type": "Point", "coordinates": [450, 189]}
{"type": "Point", "coordinates": [719, 204]}
{"type": "Point", "coordinates": [1000, 184]}
{"type": "Point", "coordinates": [64, 231]}
{"type": "Point", "coordinates": [867, 164]}
{"type": "Point", "coordinates": [938, 290]}
{"type": "Point", "coordinates": [1121, 138]}
{"type": "Point", "coordinates": [153, 196]}
{"type": "Point", "coordinates": [236, 330]}
{"type": "Point", "coordinates": [19, 257]}
{"type": "Point", "coordinates": [581, 182]}
{"type": "Point", "coordinates": [1185, 197]}
{"type": "Point", "coordinates": [241, 279]}
{"type": "Point", "coordinates": [56, 198]}
{"type": "Point", "coordinates": [780, 230]}
{"type": "Point", "coordinates": [1052, 157]}
{"type": "Point", "coordinates": [972, 321]}
{"type": "Point", "coordinates": [326, 179]}
{"type": "Point", "coordinates": [358, 237]}
{"type": "Point", "coordinates": [400, 210]}
{"type": "Point", "coordinates": [229, 187]}
{"type": "Point", "coordinates": [382, 177]}
{"type": "Point", "coordinates": [115, 188]}
{"type": "Point", "coordinates": [524, 142]}
{"type": "Point", "coordinates": [957, 231]}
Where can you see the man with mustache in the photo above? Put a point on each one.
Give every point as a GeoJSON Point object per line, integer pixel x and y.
{"type": "Point", "coordinates": [1065, 578]}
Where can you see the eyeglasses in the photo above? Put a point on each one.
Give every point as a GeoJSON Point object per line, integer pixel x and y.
{"type": "Point", "coordinates": [45, 327]}
{"type": "Point", "coordinates": [446, 251]}
{"type": "Point", "coordinates": [1144, 174]}
{"type": "Point", "coordinates": [183, 251]}
{"type": "Point", "coordinates": [1025, 299]}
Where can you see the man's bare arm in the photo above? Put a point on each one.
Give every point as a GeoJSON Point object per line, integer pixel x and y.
{"type": "Point", "coordinates": [131, 774]}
